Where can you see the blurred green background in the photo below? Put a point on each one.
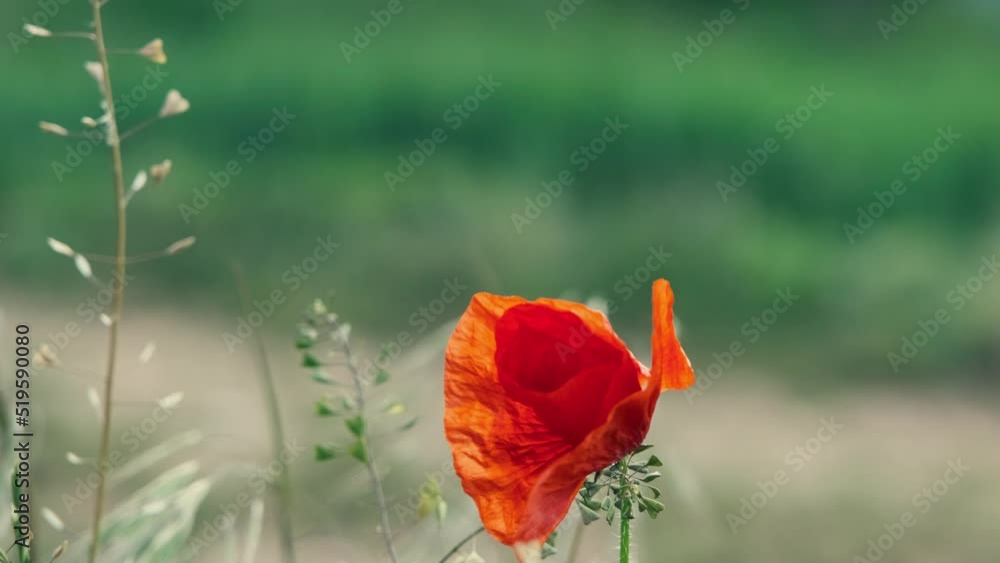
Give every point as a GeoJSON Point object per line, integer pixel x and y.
{"type": "Point", "coordinates": [655, 186]}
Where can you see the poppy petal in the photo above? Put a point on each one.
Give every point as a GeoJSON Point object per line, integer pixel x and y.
{"type": "Point", "coordinates": [670, 363]}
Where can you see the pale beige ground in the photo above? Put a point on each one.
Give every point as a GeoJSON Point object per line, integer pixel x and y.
{"type": "Point", "coordinates": [893, 444]}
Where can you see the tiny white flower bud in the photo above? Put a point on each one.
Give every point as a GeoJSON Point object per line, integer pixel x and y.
{"type": "Point", "coordinates": [74, 459]}
{"type": "Point", "coordinates": [174, 104]}
{"type": "Point", "coordinates": [88, 121]}
{"type": "Point", "coordinates": [105, 320]}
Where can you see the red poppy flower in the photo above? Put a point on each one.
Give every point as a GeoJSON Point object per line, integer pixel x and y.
{"type": "Point", "coordinates": [539, 395]}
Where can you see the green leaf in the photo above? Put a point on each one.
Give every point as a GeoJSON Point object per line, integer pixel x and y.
{"type": "Point", "coordinates": [548, 551]}
{"type": "Point", "coordinates": [642, 448]}
{"type": "Point", "coordinates": [408, 425]}
{"type": "Point", "coordinates": [654, 490]}
{"type": "Point", "coordinates": [587, 514]}
{"type": "Point", "coordinates": [651, 477]}
{"type": "Point", "coordinates": [325, 452]}
{"type": "Point", "coordinates": [654, 462]}
{"type": "Point", "coordinates": [382, 377]}
{"type": "Point", "coordinates": [356, 425]}
{"type": "Point", "coordinates": [310, 361]}
{"type": "Point", "coordinates": [304, 343]}
{"type": "Point", "coordinates": [606, 504]}
{"type": "Point", "coordinates": [324, 408]}
{"type": "Point", "coordinates": [359, 451]}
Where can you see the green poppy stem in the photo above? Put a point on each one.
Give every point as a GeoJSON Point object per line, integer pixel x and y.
{"type": "Point", "coordinates": [625, 513]}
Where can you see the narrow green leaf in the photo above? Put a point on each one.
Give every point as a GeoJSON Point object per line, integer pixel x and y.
{"type": "Point", "coordinates": [325, 452]}
{"type": "Point", "coordinates": [324, 408]}
{"type": "Point", "coordinates": [310, 361]}
{"type": "Point", "coordinates": [359, 451]}
{"type": "Point", "coordinates": [356, 425]}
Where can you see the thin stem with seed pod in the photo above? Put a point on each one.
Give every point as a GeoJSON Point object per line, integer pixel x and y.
{"type": "Point", "coordinates": [459, 545]}
{"type": "Point", "coordinates": [119, 293]}
{"type": "Point", "coordinates": [383, 511]}
{"type": "Point", "coordinates": [283, 484]}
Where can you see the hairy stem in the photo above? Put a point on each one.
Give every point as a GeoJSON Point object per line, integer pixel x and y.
{"type": "Point", "coordinates": [283, 484]}
{"type": "Point", "coordinates": [459, 545]}
{"type": "Point", "coordinates": [383, 511]}
{"type": "Point", "coordinates": [625, 513]}
{"type": "Point", "coordinates": [119, 290]}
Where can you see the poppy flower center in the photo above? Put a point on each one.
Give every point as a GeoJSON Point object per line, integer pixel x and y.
{"type": "Point", "coordinates": [552, 361]}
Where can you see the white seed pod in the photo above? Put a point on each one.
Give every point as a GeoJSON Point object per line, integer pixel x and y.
{"type": "Point", "coordinates": [36, 31]}
{"type": "Point", "coordinates": [154, 51]}
{"type": "Point", "coordinates": [171, 401]}
{"type": "Point", "coordinates": [174, 104]}
{"type": "Point", "coordinates": [97, 71]}
{"type": "Point", "coordinates": [105, 320]}
{"type": "Point", "coordinates": [61, 247]}
{"type": "Point", "coordinates": [160, 171]}
{"type": "Point", "coordinates": [53, 519]}
{"type": "Point", "coordinates": [83, 265]}
{"type": "Point", "coordinates": [95, 402]}
{"type": "Point", "coordinates": [140, 181]}
{"type": "Point", "coordinates": [74, 459]}
{"type": "Point", "coordinates": [147, 353]}
{"type": "Point", "coordinates": [53, 129]}
{"type": "Point", "coordinates": [181, 245]}
{"type": "Point", "coordinates": [88, 121]}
